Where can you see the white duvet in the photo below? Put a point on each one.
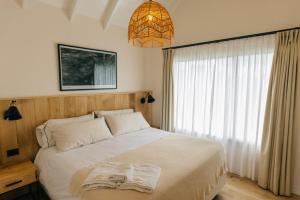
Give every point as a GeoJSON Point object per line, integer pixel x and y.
{"type": "Point", "coordinates": [56, 168]}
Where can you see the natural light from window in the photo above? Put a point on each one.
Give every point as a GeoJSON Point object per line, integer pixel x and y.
{"type": "Point", "coordinates": [220, 92]}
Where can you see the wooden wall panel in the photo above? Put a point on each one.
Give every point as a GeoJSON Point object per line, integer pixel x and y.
{"type": "Point", "coordinates": [145, 108]}
{"type": "Point", "coordinates": [36, 110]}
{"type": "Point", "coordinates": [24, 128]}
{"type": "Point", "coordinates": [70, 110]}
{"type": "Point", "coordinates": [91, 104]}
{"type": "Point", "coordinates": [8, 132]}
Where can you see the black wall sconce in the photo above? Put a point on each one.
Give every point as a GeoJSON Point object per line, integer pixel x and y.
{"type": "Point", "coordinates": [149, 98]}
{"type": "Point", "coordinates": [12, 112]}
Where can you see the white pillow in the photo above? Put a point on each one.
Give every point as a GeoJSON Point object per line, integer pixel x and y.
{"type": "Point", "coordinates": [44, 134]}
{"type": "Point", "coordinates": [78, 134]}
{"type": "Point", "coordinates": [125, 123]}
{"type": "Point", "coordinates": [103, 113]}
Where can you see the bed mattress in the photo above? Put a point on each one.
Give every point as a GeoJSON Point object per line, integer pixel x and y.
{"type": "Point", "coordinates": [194, 166]}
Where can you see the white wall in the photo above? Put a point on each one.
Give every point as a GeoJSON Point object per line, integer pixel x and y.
{"type": "Point", "coordinates": [204, 20]}
{"type": "Point", "coordinates": [28, 51]}
{"type": "Point", "coordinates": [153, 59]}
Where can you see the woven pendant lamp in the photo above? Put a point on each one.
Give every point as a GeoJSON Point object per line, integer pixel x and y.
{"type": "Point", "coordinates": [150, 26]}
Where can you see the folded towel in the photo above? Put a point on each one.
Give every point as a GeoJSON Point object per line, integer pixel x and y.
{"type": "Point", "coordinates": [93, 186]}
{"type": "Point", "coordinates": [107, 175]}
{"type": "Point", "coordinates": [144, 178]}
{"type": "Point", "coordinates": [139, 177]}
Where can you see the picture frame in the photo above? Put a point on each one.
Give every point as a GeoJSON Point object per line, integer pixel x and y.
{"type": "Point", "coordinates": [83, 68]}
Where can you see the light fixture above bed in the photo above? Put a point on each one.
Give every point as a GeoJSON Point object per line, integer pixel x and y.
{"type": "Point", "coordinates": [150, 26]}
{"type": "Point", "coordinates": [148, 97]}
{"type": "Point", "coordinates": [12, 113]}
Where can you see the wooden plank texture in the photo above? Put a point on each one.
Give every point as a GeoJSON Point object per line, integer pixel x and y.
{"type": "Point", "coordinates": [18, 175]}
{"type": "Point", "coordinates": [238, 188]}
{"type": "Point", "coordinates": [36, 110]}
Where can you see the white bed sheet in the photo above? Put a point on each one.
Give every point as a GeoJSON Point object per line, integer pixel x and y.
{"type": "Point", "coordinates": [56, 168]}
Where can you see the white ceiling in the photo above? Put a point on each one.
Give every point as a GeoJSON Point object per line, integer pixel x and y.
{"type": "Point", "coordinates": [115, 12]}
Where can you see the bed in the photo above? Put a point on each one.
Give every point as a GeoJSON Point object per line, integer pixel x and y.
{"type": "Point", "coordinates": [192, 168]}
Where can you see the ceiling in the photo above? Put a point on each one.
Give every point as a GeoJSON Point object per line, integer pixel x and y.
{"type": "Point", "coordinates": [109, 12]}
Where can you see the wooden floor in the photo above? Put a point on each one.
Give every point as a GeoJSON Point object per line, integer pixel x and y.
{"type": "Point", "coordinates": [235, 189]}
{"type": "Point", "coordinates": [243, 189]}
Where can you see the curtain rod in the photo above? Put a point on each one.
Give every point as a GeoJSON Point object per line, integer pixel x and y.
{"type": "Point", "coordinates": [228, 39]}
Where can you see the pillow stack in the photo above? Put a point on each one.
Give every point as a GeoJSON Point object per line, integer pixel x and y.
{"type": "Point", "coordinates": [44, 131]}
{"type": "Point", "coordinates": [126, 123]}
{"type": "Point", "coordinates": [74, 132]}
{"type": "Point", "coordinates": [80, 134]}
{"type": "Point", "coordinates": [103, 113]}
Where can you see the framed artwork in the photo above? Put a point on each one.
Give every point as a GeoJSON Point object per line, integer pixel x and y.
{"type": "Point", "coordinates": [86, 69]}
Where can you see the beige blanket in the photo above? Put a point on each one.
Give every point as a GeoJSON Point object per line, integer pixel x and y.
{"type": "Point", "coordinates": [191, 168]}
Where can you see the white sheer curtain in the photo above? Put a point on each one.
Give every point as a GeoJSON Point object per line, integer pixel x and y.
{"type": "Point", "coordinates": [220, 92]}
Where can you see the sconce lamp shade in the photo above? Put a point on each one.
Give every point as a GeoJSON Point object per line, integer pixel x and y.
{"type": "Point", "coordinates": [12, 113]}
{"type": "Point", "coordinates": [143, 100]}
{"type": "Point", "coordinates": [149, 97]}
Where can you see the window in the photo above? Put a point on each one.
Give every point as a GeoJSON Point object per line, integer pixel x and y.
{"type": "Point", "coordinates": [220, 92]}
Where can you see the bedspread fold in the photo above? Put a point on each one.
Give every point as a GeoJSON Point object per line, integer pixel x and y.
{"type": "Point", "coordinates": [190, 169]}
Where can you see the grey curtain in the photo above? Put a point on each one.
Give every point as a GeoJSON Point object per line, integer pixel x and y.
{"type": "Point", "coordinates": [167, 96]}
{"type": "Point", "coordinates": [276, 149]}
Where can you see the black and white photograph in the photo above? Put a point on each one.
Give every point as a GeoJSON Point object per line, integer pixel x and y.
{"type": "Point", "coordinates": [86, 69]}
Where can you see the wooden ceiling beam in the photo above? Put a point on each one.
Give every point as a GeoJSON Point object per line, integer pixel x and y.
{"type": "Point", "coordinates": [73, 10]}
{"type": "Point", "coordinates": [108, 13]}
{"type": "Point", "coordinates": [25, 3]}
{"type": "Point", "coordinates": [175, 5]}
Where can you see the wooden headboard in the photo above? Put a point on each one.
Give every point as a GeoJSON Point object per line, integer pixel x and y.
{"type": "Point", "coordinates": [36, 110]}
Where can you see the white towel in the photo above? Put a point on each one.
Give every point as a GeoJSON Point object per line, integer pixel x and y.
{"type": "Point", "coordinates": [139, 177]}
{"type": "Point", "coordinates": [107, 175]}
{"type": "Point", "coordinates": [144, 178]}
